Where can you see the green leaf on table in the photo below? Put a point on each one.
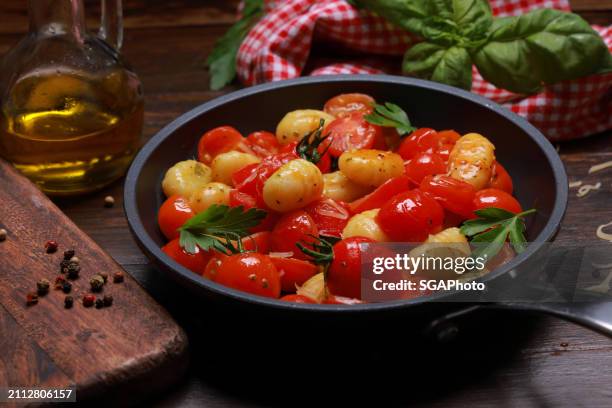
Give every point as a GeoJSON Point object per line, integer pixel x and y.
{"type": "Point", "coordinates": [216, 228]}
{"type": "Point", "coordinates": [222, 60]}
{"type": "Point", "coordinates": [391, 115]}
{"type": "Point", "coordinates": [541, 47]}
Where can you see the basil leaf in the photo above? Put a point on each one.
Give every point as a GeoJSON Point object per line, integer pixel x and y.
{"type": "Point", "coordinates": [541, 47]}
{"type": "Point", "coordinates": [451, 66]}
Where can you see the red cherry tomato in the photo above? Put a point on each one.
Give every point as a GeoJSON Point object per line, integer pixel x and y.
{"type": "Point", "coordinates": [238, 198]}
{"type": "Point", "coordinates": [344, 273]}
{"type": "Point", "coordinates": [297, 299]}
{"type": "Point", "coordinates": [324, 163]}
{"type": "Point", "coordinates": [194, 262]}
{"type": "Point", "coordinates": [346, 104]}
{"type": "Point", "coordinates": [444, 151]}
{"type": "Point", "coordinates": [173, 213]}
{"type": "Point", "coordinates": [244, 179]}
{"type": "Point", "coordinates": [454, 195]}
{"type": "Point", "coordinates": [381, 195]}
{"type": "Point", "coordinates": [500, 179]}
{"type": "Point", "coordinates": [258, 242]}
{"type": "Point", "coordinates": [220, 140]}
{"type": "Point", "coordinates": [329, 215]}
{"type": "Point", "coordinates": [424, 164]}
{"type": "Point", "coordinates": [293, 272]}
{"type": "Point", "coordinates": [342, 300]}
{"type": "Point", "coordinates": [448, 137]}
{"type": "Point", "coordinates": [249, 272]}
{"type": "Point", "coordinates": [422, 140]}
{"type": "Point", "coordinates": [410, 216]}
{"type": "Point", "coordinates": [491, 197]}
{"type": "Point", "coordinates": [352, 132]}
{"type": "Point", "coordinates": [292, 228]}
{"type": "Point", "coordinates": [263, 143]}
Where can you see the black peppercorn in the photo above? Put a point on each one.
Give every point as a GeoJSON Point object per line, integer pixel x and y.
{"type": "Point", "coordinates": [99, 303]}
{"type": "Point", "coordinates": [118, 277]}
{"type": "Point", "coordinates": [108, 300]}
{"type": "Point", "coordinates": [97, 282]}
{"type": "Point", "coordinates": [68, 302]}
{"type": "Point", "coordinates": [73, 270]}
{"type": "Point", "coordinates": [68, 254]}
{"type": "Point", "coordinates": [42, 287]}
{"type": "Point", "coordinates": [66, 287]}
{"type": "Point", "coordinates": [104, 276]}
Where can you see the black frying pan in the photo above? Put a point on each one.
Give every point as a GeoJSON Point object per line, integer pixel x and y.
{"type": "Point", "coordinates": [538, 172]}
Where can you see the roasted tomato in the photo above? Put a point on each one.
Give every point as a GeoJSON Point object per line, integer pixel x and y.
{"type": "Point", "coordinates": [258, 242]}
{"type": "Point", "coordinates": [422, 140]}
{"type": "Point", "coordinates": [410, 216]}
{"type": "Point", "coordinates": [220, 140]}
{"type": "Point", "coordinates": [173, 213]}
{"type": "Point", "coordinates": [491, 197]}
{"type": "Point", "coordinates": [194, 262]}
{"type": "Point", "coordinates": [292, 228]}
{"type": "Point", "coordinates": [347, 104]}
{"type": "Point", "coordinates": [424, 164]}
{"type": "Point", "coordinates": [297, 299]}
{"type": "Point", "coordinates": [330, 216]}
{"type": "Point", "coordinates": [249, 272]}
{"type": "Point", "coordinates": [500, 179]}
{"type": "Point", "coordinates": [293, 272]}
{"type": "Point", "coordinates": [263, 143]}
{"type": "Point", "coordinates": [454, 195]}
{"type": "Point", "coordinates": [352, 132]}
{"type": "Point", "coordinates": [344, 273]}
{"type": "Point", "coordinates": [381, 195]}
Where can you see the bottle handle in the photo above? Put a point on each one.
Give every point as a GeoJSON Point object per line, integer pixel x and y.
{"type": "Point", "coordinates": [111, 26]}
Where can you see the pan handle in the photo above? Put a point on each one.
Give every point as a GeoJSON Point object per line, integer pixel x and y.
{"type": "Point", "coordinates": [593, 315]}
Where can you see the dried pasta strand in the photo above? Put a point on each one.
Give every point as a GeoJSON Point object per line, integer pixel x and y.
{"type": "Point", "coordinates": [603, 235]}
{"type": "Point", "coordinates": [600, 167]}
{"type": "Point", "coordinates": [587, 188]}
{"type": "Point", "coordinates": [574, 184]}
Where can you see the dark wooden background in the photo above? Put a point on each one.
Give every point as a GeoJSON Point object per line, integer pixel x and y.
{"type": "Point", "coordinates": [515, 360]}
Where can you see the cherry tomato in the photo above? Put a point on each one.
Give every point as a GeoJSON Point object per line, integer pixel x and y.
{"type": "Point", "coordinates": [424, 164]}
{"type": "Point", "coordinates": [324, 163]}
{"type": "Point", "coordinates": [444, 151]}
{"type": "Point", "coordinates": [381, 195]}
{"type": "Point", "coordinates": [344, 273]}
{"type": "Point", "coordinates": [293, 272]}
{"type": "Point", "coordinates": [500, 179]}
{"type": "Point", "coordinates": [194, 262]}
{"type": "Point", "coordinates": [410, 216]}
{"type": "Point", "coordinates": [448, 137]}
{"type": "Point", "coordinates": [491, 197]}
{"type": "Point", "coordinates": [263, 143]}
{"type": "Point", "coordinates": [422, 140]}
{"type": "Point", "coordinates": [249, 272]}
{"type": "Point", "coordinates": [330, 216]}
{"type": "Point", "coordinates": [244, 179]}
{"type": "Point", "coordinates": [173, 213]}
{"type": "Point", "coordinates": [292, 228]}
{"type": "Point", "coordinates": [297, 299]}
{"type": "Point", "coordinates": [346, 104]}
{"type": "Point", "coordinates": [454, 195]}
{"type": "Point", "coordinates": [258, 242]}
{"type": "Point", "coordinates": [352, 132]}
{"type": "Point", "coordinates": [341, 300]}
{"type": "Point", "coordinates": [220, 140]}
{"type": "Point", "coordinates": [238, 198]}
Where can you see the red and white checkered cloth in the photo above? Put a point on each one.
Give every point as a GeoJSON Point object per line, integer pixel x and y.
{"type": "Point", "coordinates": [278, 47]}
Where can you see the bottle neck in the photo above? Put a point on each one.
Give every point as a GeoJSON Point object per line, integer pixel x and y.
{"type": "Point", "coordinates": [57, 17]}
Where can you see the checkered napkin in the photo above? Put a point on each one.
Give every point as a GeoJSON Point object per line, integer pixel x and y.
{"type": "Point", "coordinates": [278, 47]}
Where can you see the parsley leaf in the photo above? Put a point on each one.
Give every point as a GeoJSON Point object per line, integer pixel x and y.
{"type": "Point", "coordinates": [216, 227]}
{"type": "Point", "coordinates": [222, 60]}
{"type": "Point", "coordinates": [493, 227]}
{"type": "Point", "coordinates": [391, 115]}
{"type": "Point", "coordinates": [308, 147]}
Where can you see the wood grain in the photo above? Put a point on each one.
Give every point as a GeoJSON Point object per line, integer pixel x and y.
{"type": "Point", "coordinates": [98, 350]}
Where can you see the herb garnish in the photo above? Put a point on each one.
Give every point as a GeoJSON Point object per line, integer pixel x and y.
{"type": "Point", "coordinates": [493, 226]}
{"type": "Point", "coordinates": [322, 252]}
{"type": "Point", "coordinates": [391, 115]}
{"type": "Point", "coordinates": [222, 59]}
{"type": "Point", "coordinates": [217, 226]}
{"type": "Point", "coordinates": [308, 147]}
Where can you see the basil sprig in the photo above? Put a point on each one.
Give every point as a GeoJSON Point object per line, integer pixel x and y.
{"type": "Point", "coordinates": [520, 54]}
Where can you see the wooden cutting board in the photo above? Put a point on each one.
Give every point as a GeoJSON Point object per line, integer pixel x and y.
{"type": "Point", "coordinates": [118, 353]}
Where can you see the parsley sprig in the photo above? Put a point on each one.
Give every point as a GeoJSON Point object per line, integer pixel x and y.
{"type": "Point", "coordinates": [391, 115]}
{"type": "Point", "coordinates": [308, 147]}
{"type": "Point", "coordinates": [493, 227]}
{"type": "Point", "coordinates": [217, 226]}
{"type": "Point", "coordinates": [322, 252]}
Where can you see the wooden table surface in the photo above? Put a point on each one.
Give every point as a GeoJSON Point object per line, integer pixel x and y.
{"type": "Point", "coordinates": [516, 360]}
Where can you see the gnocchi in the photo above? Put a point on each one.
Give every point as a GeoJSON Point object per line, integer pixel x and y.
{"type": "Point", "coordinates": [185, 178]}
{"type": "Point", "coordinates": [225, 164]}
{"type": "Point", "coordinates": [364, 225]}
{"type": "Point", "coordinates": [295, 185]}
{"type": "Point", "coordinates": [369, 167]}
{"type": "Point", "coordinates": [338, 187]}
{"type": "Point", "coordinates": [211, 193]}
{"type": "Point", "coordinates": [297, 124]}
{"type": "Point", "coordinates": [471, 160]}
